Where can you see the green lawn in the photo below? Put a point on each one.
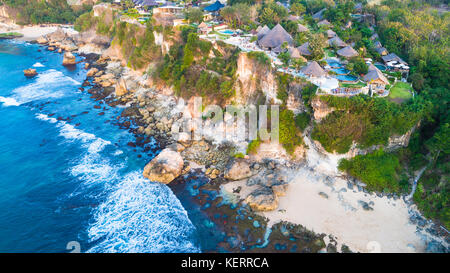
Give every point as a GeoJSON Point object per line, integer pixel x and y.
{"type": "Point", "coordinates": [400, 92]}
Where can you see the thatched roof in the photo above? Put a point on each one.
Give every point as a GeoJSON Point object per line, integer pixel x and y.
{"type": "Point", "coordinates": [377, 44]}
{"type": "Point", "coordinates": [331, 33]}
{"type": "Point", "coordinates": [295, 54]}
{"type": "Point", "coordinates": [263, 31]}
{"type": "Point", "coordinates": [347, 52]}
{"type": "Point", "coordinates": [382, 51]}
{"type": "Point", "coordinates": [324, 23]}
{"type": "Point", "coordinates": [374, 75]}
{"type": "Point", "coordinates": [393, 57]}
{"type": "Point", "coordinates": [337, 42]}
{"type": "Point", "coordinates": [293, 18]}
{"type": "Point", "coordinates": [319, 15]}
{"type": "Point", "coordinates": [202, 25]}
{"type": "Point", "coordinates": [302, 28]}
{"type": "Point", "coordinates": [276, 37]}
{"type": "Point", "coordinates": [304, 49]}
{"type": "Point", "coordinates": [313, 69]}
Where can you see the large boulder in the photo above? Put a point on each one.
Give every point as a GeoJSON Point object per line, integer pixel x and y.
{"type": "Point", "coordinates": [238, 170]}
{"type": "Point", "coordinates": [69, 59]}
{"type": "Point", "coordinates": [165, 167]}
{"type": "Point", "coordinates": [262, 199]}
{"type": "Point", "coordinates": [121, 88]}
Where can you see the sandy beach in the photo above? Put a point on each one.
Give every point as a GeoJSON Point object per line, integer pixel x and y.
{"type": "Point", "coordinates": [321, 200]}
{"type": "Point", "coordinates": [31, 33]}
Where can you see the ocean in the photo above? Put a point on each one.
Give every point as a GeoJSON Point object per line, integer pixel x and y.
{"type": "Point", "coordinates": [68, 179]}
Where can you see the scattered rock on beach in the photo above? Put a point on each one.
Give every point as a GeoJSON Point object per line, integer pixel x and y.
{"type": "Point", "coordinates": [263, 199]}
{"type": "Point", "coordinates": [238, 170]}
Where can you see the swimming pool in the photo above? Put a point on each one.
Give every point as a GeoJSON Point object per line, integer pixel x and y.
{"type": "Point", "coordinates": [341, 71]}
{"type": "Point", "coordinates": [227, 32]}
{"type": "Point", "coordinates": [346, 78]}
{"type": "Point", "coordinates": [334, 64]}
{"type": "Point", "coordinates": [381, 67]}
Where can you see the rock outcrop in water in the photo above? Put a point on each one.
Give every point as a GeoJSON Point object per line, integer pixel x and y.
{"type": "Point", "coordinates": [30, 72]}
{"type": "Point", "coordinates": [165, 167]}
{"type": "Point", "coordinates": [69, 59]}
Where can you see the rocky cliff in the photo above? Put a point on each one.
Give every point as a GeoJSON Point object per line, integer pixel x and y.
{"type": "Point", "coordinates": [253, 80]}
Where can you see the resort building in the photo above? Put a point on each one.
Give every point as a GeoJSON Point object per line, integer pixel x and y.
{"type": "Point", "coordinates": [215, 7]}
{"type": "Point", "coordinates": [347, 52]}
{"type": "Point", "coordinates": [394, 62]}
{"type": "Point", "coordinates": [376, 80]}
{"type": "Point", "coordinates": [168, 10]}
{"type": "Point", "coordinates": [275, 38]}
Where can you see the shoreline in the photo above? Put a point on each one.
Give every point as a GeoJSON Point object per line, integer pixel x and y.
{"type": "Point", "coordinates": [299, 193]}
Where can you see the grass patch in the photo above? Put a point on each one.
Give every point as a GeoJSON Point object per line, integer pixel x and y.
{"type": "Point", "coordinates": [10, 35]}
{"type": "Point", "coordinates": [352, 85]}
{"type": "Point", "coordinates": [400, 92]}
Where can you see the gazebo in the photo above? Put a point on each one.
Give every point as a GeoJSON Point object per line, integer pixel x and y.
{"type": "Point", "coordinates": [314, 70]}
{"type": "Point", "coordinates": [347, 52]}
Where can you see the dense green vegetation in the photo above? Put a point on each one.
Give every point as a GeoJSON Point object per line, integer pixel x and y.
{"type": "Point", "coordinates": [400, 92]}
{"type": "Point", "coordinates": [379, 170]}
{"type": "Point", "coordinates": [365, 120]}
{"type": "Point", "coordinates": [51, 11]}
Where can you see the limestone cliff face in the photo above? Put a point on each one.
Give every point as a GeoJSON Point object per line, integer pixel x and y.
{"type": "Point", "coordinates": [321, 109]}
{"type": "Point", "coordinates": [159, 40]}
{"type": "Point", "coordinates": [7, 15]}
{"type": "Point", "coordinates": [253, 78]}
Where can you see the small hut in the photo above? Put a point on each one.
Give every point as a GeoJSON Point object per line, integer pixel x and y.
{"type": "Point", "coordinates": [347, 52]}
{"type": "Point", "coordinates": [262, 32]}
{"type": "Point", "coordinates": [295, 54]}
{"type": "Point", "coordinates": [314, 70]}
{"type": "Point", "coordinates": [336, 41]}
{"type": "Point", "coordinates": [319, 15]}
{"type": "Point", "coordinates": [302, 28]}
{"type": "Point", "coordinates": [275, 38]}
{"type": "Point", "coordinates": [304, 49]}
{"type": "Point", "coordinates": [330, 33]}
{"type": "Point", "coordinates": [382, 51]}
{"type": "Point", "coordinates": [324, 23]}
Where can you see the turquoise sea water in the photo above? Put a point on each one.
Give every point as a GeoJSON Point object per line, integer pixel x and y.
{"type": "Point", "coordinates": [66, 172]}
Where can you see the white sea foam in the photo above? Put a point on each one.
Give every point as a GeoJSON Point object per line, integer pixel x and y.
{"type": "Point", "coordinates": [137, 215]}
{"type": "Point", "coordinates": [9, 101]}
{"type": "Point", "coordinates": [141, 216]}
{"type": "Point", "coordinates": [38, 65]}
{"type": "Point", "coordinates": [49, 84]}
